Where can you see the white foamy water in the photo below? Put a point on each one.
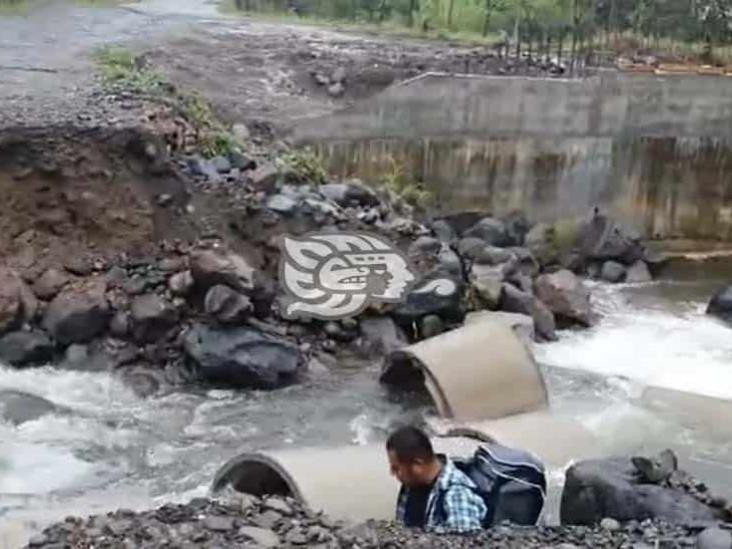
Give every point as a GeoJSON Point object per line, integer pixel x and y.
{"type": "Point", "coordinates": [651, 342]}
{"type": "Point", "coordinates": [103, 448]}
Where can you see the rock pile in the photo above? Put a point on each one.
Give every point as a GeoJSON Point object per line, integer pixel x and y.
{"type": "Point", "coordinates": [279, 522]}
{"type": "Point", "coordinates": [638, 488]}
{"type": "Point", "coordinates": [203, 312]}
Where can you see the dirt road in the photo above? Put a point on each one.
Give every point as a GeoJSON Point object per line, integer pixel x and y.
{"type": "Point", "coordinates": [265, 74]}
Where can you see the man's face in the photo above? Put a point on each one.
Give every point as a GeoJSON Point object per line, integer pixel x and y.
{"type": "Point", "coordinates": [409, 473]}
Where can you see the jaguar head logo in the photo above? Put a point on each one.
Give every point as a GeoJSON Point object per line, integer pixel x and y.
{"type": "Point", "coordinates": [332, 276]}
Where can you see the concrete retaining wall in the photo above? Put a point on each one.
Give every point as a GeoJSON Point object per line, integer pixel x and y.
{"type": "Point", "coordinates": [656, 151]}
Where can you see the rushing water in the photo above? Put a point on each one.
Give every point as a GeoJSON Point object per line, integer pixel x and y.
{"type": "Point", "coordinates": [106, 448]}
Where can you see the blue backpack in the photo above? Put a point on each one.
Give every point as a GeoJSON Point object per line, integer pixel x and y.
{"type": "Point", "coordinates": [511, 482]}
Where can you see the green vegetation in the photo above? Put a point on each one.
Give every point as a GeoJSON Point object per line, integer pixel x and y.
{"type": "Point", "coordinates": [306, 164]}
{"type": "Point", "coordinates": [400, 181]}
{"type": "Point", "coordinates": [122, 70]}
{"type": "Point", "coordinates": [20, 7]}
{"type": "Point", "coordinates": [566, 28]}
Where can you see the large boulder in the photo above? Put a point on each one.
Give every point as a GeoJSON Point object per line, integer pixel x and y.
{"type": "Point", "coordinates": [226, 305]}
{"type": "Point", "coordinates": [514, 300]}
{"type": "Point", "coordinates": [721, 305]}
{"type": "Point", "coordinates": [527, 263]}
{"type": "Point", "coordinates": [151, 317]}
{"type": "Point", "coordinates": [18, 407]}
{"type": "Point", "coordinates": [638, 273]}
{"type": "Point", "coordinates": [566, 296]}
{"type": "Point", "coordinates": [612, 271]}
{"type": "Point", "coordinates": [517, 227]}
{"type": "Point", "coordinates": [442, 300]}
{"type": "Point", "coordinates": [487, 282]}
{"type": "Point", "coordinates": [714, 538]}
{"type": "Point", "coordinates": [596, 489]}
{"type": "Point", "coordinates": [242, 357]}
{"type": "Point", "coordinates": [25, 348]}
{"type": "Point", "coordinates": [548, 242]}
{"type": "Point", "coordinates": [380, 335]}
{"type": "Point", "coordinates": [443, 231]}
{"type": "Point", "coordinates": [78, 314]}
{"type": "Point", "coordinates": [349, 194]}
{"type": "Point", "coordinates": [490, 255]}
{"type": "Point", "coordinates": [522, 325]}
{"type": "Point", "coordinates": [461, 221]}
{"type": "Point", "coordinates": [17, 302]}
{"type": "Point", "coordinates": [603, 239]}
{"type": "Point", "coordinates": [212, 267]}
{"type": "Point", "coordinates": [491, 231]}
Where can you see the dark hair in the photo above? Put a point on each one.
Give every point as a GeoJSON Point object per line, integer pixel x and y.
{"type": "Point", "coordinates": [410, 444]}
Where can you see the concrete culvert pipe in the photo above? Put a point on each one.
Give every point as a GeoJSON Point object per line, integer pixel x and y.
{"type": "Point", "coordinates": [347, 482]}
{"type": "Point", "coordinates": [556, 440]}
{"type": "Point", "coordinates": [479, 371]}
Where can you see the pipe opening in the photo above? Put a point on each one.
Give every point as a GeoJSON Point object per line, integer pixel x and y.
{"type": "Point", "coordinates": [254, 475]}
{"type": "Point", "coordinates": [406, 375]}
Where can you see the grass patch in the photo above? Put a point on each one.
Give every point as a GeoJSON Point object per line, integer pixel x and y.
{"type": "Point", "coordinates": [307, 164]}
{"type": "Point", "coordinates": [399, 181]}
{"type": "Point", "coordinates": [14, 7]}
{"type": "Point", "coordinates": [389, 28]}
{"type": "Point", "coordinates": [123, 70]}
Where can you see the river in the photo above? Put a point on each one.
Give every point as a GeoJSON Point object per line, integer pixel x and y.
{"type": "Point", "coordinates": [105, 448]}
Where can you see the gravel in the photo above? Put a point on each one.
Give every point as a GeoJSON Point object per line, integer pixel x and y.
{"type": "Point", "coordinates": [245, 522]}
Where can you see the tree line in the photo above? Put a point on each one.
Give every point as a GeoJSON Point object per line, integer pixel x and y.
{"type": "Point", "coordinates": [591, 22]}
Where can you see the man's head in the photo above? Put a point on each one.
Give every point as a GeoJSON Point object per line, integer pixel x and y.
{"type": "Point", "coordinates": [411, 457]}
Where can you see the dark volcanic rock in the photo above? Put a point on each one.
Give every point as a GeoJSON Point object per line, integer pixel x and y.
{"type": "Point", "coordinates": [424, 245]}
{"type": "Point", "coordinates": [226, 305]}
{"type": "Point", "coordinates": [491, 231]}
{"type": "Point", "coordinates": [517, 227]}
{"type": "Point", "coordinates": [443, 301]}
{"type": "Point", "coordinates": [78, 314]}
{"type": "Point", "coordinates": [514, 300]}
{"type": "Point", "coordinates": [596, 489]}
{"type": "Point", "coordinates": [443, 231]}
{"type": "Point", "coordinates": [566, 296]}
{"type": "Point", "coordinates": [490, 255]}
{"type": "Point", "coordinates": [348, 194]}
{"type": "Point", "coordinates": [24, 348]}
{"type": "Point", "coordinates": [243, 357]}
{"type": "Point", "coordinates": [212, 267]}
{"type": "Point", "coordinates": [601, 238]}
{"type": "Point", "coordinates": [151, 317]}
{"type": "Point", "coordinates": [721, 305]}
{"type": "Point", "coordinates": [381, 335]}
{"type": "Point", "coordinates": [612, 271]}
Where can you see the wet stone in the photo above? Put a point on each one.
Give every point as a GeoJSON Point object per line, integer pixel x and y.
{"type": "Point", "coordinates": [267, 519]}
{"type": "Point", "coordinates": [264, 537]}
{"type": "Point", "coordinates": [219, 524]}
{"type": "Point", "coordinates": [279, 505]}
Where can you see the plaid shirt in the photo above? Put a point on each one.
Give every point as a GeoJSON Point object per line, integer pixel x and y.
{"type": "Point", "coordinates": [453, 506]}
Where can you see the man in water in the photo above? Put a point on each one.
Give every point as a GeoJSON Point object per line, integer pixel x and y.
{"type": "Point", "coordinates": [435, 495]}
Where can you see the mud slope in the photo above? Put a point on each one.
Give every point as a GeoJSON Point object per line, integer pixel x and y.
{"type": "Point", "coordinates": [69, 194]}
